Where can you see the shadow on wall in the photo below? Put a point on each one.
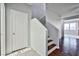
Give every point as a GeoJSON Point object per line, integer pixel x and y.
{"type": "Point", "coordinates": [43, 21]}
{"type": "Point", "coordinates": [52, 32]}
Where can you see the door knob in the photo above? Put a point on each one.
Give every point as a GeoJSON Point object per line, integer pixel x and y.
{"type": "Point", "coordinates": [13, 33]}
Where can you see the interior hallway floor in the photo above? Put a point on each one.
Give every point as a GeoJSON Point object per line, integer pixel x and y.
{"type": "Point", "coordinates": [69, 46]}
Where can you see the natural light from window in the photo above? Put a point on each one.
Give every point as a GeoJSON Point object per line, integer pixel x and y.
{"type": "Point", "coordinates": [70, 26]}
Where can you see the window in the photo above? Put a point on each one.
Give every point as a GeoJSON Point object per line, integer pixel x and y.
{"type": "Point", "coordinates": [66, 26]}
{"type": "Point", "coordinates": [73, 26]}
{"type": "Point", "coordinates": [70, 26]}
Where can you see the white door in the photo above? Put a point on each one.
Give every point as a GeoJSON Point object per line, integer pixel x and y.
{"type": "Point", "coordinates": [17, 30]}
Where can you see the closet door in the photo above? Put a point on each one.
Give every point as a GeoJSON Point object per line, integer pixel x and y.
{"type": "Point", "coordinates": [10, 23]}
{"type": "Point", "coordinates": [18, 30]}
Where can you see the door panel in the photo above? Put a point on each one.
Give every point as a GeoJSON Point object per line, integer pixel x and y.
{"type": "Point", "coordinates": [18, 30]}
{"type": "Point", "coordinates": [9, 31]}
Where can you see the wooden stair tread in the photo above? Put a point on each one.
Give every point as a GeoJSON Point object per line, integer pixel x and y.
{"type": "Point", "coordinates": [49, 41]}
{"type": "Point", "coordinates": [51, 46]}
{"type": "Point", "coordinates": [56, 52]}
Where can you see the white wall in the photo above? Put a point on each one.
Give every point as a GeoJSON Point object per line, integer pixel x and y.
{"type": "Point", "coordinates": [38, 10]}
{"type": "Point", "coordinates": [53, 18]}
{"type": "Point", "coordinates": [55, 21]}
{"type": "Point", "coordinates": [38, 37]}
{"type": "Point", "coordinates": [53, 33]}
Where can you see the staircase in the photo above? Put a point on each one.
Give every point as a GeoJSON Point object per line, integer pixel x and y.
{"type": "Point", "coordinates": [52, 45]}
{"type": "Point", "coordinates": [52, 49]}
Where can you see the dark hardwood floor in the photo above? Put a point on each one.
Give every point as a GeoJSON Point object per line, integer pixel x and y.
{"type": "Point", "coordinates": [69, 46]}
{"type": "Point", "coordinates": [56, 52]}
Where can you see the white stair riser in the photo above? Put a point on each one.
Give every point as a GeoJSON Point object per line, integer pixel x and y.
{"type": "Point", "coordinates": [49, 38]}
{"type": "Point", "coordinates": [50, 43]}
{"type": "Point", "coordinates": [52, 50]}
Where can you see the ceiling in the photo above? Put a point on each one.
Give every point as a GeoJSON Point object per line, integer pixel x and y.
{"type": "Point", "coordinates": [63, 8]}
{"type": "Point", "coordinates": [60, 9]}
{"type": "Point", "coordinates": [29, 4]}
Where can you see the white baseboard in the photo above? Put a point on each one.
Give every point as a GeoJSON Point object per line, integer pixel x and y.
{"type": "Point", "coordinates": [20, 51]}
{"type": "Point", "coordinates": [37, 51]}
{"type": "Point", "coordinates": [50, 43]}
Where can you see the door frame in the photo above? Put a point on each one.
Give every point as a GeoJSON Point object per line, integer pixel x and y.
{"type": "Point", "coordinates": [3, 29]}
